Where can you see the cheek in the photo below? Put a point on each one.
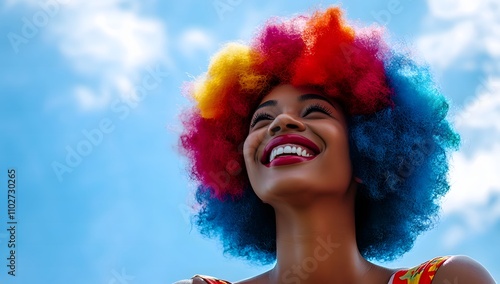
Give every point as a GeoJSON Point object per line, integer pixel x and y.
{"type": "Point", "coordinates": [248, 150]}
{"type": "Point", "coordinates": [251, 146]}
{"type": "Point", "coordinates": [336, 162]}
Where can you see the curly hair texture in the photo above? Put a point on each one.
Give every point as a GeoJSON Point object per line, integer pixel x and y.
{"type": "Point", "coordinates": [399, 136]}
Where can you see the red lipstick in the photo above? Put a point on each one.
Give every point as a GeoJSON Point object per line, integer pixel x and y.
{"type": "Point", "coordinates": [288, 139]}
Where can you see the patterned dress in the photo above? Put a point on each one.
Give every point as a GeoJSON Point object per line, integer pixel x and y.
{"type": "Point", "coordinates": [420, 274]}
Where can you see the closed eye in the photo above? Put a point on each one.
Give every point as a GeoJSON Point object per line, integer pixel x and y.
{"type": "Point", "coordinates": [259, 117]}
{"type": "Point", "coordinates": [317, 108]}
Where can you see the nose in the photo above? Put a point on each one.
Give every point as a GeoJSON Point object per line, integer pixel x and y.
{"type": "Point", "coordinates": [284, 122]}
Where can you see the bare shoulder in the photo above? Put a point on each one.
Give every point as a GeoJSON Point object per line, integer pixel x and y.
{"type": "Point", "coordinates": [462, 269]}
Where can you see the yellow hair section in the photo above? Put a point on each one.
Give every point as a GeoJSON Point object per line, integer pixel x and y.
{"type": "Point", "coordinates": [229, 72]}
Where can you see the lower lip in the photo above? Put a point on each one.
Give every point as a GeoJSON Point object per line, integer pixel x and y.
{"type": "Point", "coordinates": [288, 160]}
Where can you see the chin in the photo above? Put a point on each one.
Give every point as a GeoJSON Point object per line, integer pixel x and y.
{"type": "Point", "coordinates": [300, 188]}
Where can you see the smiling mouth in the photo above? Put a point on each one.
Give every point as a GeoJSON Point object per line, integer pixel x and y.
{"type": "Point", "coordinates": [289, 149]}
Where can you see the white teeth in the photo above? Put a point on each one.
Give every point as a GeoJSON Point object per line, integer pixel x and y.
{"type": "Point", "coordinates": [288, 150]}
{"type": "Point", "coordinates": [304, 153]}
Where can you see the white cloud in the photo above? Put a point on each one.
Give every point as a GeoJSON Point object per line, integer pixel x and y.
{"type": "Point", "coordinates": [451, 9]}
{"type": "Point", "coordinates": [474, 180]}
{"type": "Point", "coordinates": [474, 173]}
{"type": "Point", "coordinates": [107, 42]}
{"type": "Point", "coordinates": [89, 99]}
{"type": "Point", "coordinates": [195, 40]}
{"type": "Point", "coordinates": [483, 112]}
{"type": "Point", "coordinates": [456, 34]}
{"type": "Point", "coordinates": [475, 220]}
{"type": "Point", "coordinates": [437, 48]}
{"type": "Point", "coordinates": [470, 28]}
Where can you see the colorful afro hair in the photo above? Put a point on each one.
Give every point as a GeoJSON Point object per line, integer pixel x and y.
{"type": "Point", "coordinates": [399, 136]}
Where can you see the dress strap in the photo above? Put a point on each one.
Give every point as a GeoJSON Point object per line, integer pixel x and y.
{"type": "Point", "coordinates": [211, 280]}
{"type": "Point", "coordinates": [421, 274]}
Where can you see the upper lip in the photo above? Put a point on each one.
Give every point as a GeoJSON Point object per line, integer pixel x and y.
{"type": "Point", "coordinates": [288, 139]}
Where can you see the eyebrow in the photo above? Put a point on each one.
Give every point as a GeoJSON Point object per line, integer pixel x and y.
{"type": "Point", "coordinates": [302, 98]}
{"type": "Point", "coordinates": [267, 103]}
{"type": "Point", "coordinates": [306, 97]}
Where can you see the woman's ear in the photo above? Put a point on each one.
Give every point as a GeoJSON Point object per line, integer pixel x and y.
{"type": "Point", "coordinates": [358, 180]}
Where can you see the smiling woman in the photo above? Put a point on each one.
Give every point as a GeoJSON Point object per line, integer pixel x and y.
{"type": "Point", "coordinates": [297, 118]}
{"type": "Point", "coordinates": [320, 148]}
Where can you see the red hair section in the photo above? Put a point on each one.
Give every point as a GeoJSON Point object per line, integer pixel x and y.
{"type": "Point", "coordinates": [214, 148]}
{"type": "Point", "coordinates": [320, 50]}
{"type": "Point", "coordinates": [345, 67]}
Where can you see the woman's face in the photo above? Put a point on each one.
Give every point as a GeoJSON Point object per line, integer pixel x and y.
{"type": "Point", "coordinates": [297, 146]}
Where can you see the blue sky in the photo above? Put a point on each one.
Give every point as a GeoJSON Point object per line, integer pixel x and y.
{"type": "Point", "coordinates": [90, 93]}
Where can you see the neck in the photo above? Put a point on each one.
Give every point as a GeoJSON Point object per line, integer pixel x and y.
{"type": "Point", "coordinates": [316, 243]}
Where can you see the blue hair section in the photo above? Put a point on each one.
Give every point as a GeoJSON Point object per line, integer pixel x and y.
{"type": "Point", "coordinates": [401, 155]}
{"type": "Point", "coordinates": [246, 225]}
